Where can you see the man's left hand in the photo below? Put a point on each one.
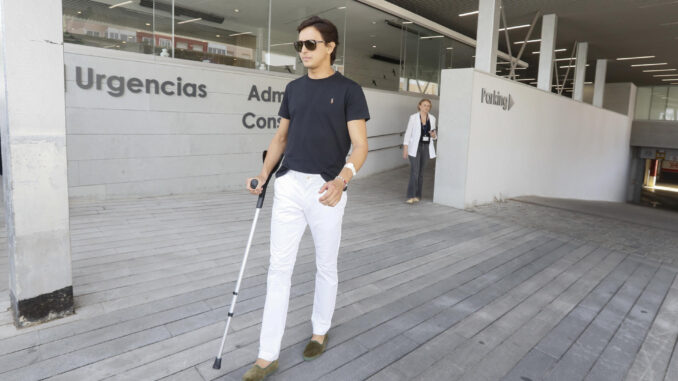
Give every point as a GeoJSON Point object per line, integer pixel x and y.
{"type": "Point", "coordinates": [333, 190]}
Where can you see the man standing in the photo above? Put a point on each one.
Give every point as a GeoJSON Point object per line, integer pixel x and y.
{"type": "Point", "coordinates": [322, 114]}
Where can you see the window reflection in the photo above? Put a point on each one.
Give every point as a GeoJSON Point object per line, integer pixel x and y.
{"type": "Point", "coordinates": [376, 49]}
{"type": "Point", "coordinates": [657, 103]}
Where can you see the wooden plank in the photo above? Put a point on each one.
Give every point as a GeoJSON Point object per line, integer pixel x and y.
{"type": "Point", "coordinates": [652, 360]}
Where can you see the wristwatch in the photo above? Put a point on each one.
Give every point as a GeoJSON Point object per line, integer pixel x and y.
{"type": "Point", "coordinates": [350, 166]}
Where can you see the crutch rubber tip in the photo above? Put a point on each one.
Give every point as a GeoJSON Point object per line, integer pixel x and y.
{"type": "Point", "coordinates": [217, 363]}
{"type": "Point", "coordinates": [254, 183]}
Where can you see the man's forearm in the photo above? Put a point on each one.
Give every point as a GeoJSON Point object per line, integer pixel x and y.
{"type": "Point", "coordinates": [275, 151]}
{"type": "Point", "coordinates": [358, 157]}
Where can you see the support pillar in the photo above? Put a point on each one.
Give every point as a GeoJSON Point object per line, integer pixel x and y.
{"type": "Point", "coordinates": [549, 27]}
{"type": "Point", "coordinates": [652, 176]}
{"type": "Point", "coordinates": [599, 83]}
{"type": "Point", "coordinates": [580, 71]}
{"type": "Point", "coordinates": [488, 36]}
{"type": "Point", "coordinates": [33, 135]}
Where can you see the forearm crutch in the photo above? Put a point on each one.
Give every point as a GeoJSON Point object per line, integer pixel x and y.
{"type": "Point", "coordinates": [260, 203]}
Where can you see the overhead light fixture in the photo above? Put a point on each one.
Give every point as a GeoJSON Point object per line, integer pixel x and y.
{"type": "Point", "coordinates": [520, 68]}
{"type": "Point", "coordinates": [566, 66]}
{"type": "Point", "coordinates": [665, 75]}
{"type": "Point", "coordinates": [239, 34]}
{"type": "Point", "coordinates": [79, 12]}
{"type": "Point", "coordinates": [218, 35]}
{"type": "Point", "coordinates": [515, 27]}
{"type": "Point", "coordinates": [342, 7]}
{"type": "Point", "coordinates": [236, 10]}
{"type": "Point", "coordinates": [430, 37]}
{"type": "Point", "coordinates": [120, 4]}
{"type": "Point", "coordinates": [565, 59]}
{"type": "Point", "coordinates": [191, 20]}
{"type": "Point", "coordinates": [468, 13]}
{"type": "Point", "coordinates": [408, 22]}
{"type": "Point", "coordinates": [670, 79]}
{"type": "Point", "coordinates": [634, 58]}
{"type": "Point", "coordinates": [588, 83]}
{"type": "Point", "coordinates": [650, 64]}
{"type": "Point", "coordinates": [527, 79]}
{"type": "Point", "coordinates": [528, 41]}
{"type": "Point", "coordinates": [555, 51]}
{"type": "Point", "coordinates": [374, 46]}
{"type": "Point", "coordinates": [180, 11]}
{"type": "Point", "coordinates": [657, 70]}
{"type": "Point", "coordinates": [449, 48]}
{"type": "Point", "coordinates": [148, 24]}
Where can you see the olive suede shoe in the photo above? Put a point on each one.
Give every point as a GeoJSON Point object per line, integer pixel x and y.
{"type": "Point", "coordinates": [257, 373]}
{"type": "Point", "coordinates": [314, 349]}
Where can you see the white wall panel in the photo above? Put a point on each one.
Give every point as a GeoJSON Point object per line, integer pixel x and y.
{"type": "Point", "coordinates": [545, 145]}
{"type": "Point", "coordinates": [154, 144]}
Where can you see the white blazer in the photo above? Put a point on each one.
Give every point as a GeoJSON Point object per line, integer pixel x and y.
{"type": "Point", "coordinates": [413, 133]}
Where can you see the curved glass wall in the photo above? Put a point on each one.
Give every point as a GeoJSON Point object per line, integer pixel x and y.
{"type": "Point", "coordinates": [376, 49]}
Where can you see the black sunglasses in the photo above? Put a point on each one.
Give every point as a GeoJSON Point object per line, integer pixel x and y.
{"type": "Point", "coordinates": [310, 45]}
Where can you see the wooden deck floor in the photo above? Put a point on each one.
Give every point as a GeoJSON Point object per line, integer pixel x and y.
{"type": "Point", "coordinates": [426, 293]}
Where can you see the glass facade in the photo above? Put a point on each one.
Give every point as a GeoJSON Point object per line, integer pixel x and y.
{"type": "Point", "coordinates": [657, 103]}
{"type": "Point", "coordinates": [376, 49]}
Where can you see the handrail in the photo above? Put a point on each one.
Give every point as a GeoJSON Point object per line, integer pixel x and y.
{"type": "Point", "coordinates": [383, 148]}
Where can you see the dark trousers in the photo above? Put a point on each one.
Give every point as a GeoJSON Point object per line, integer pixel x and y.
{"type": "Point", "coordinates": [417, 165]}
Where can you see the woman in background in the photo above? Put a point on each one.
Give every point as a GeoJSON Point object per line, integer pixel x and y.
{"type": "Point", "coordinates": [417, 147]}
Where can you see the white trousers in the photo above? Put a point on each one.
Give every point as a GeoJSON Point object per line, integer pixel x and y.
{"type": "Point", "coordinates": [295, 205]}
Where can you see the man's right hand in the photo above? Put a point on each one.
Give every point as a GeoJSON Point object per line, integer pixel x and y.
{"type": "Point", "coordinates": [260, 179]}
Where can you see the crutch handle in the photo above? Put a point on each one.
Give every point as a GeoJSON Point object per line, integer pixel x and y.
{"type": "Point", "coordinates": [262, 195]}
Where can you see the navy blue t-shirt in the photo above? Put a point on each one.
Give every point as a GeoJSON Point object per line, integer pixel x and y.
{"type": "Point", "coordinates": [318, 110]}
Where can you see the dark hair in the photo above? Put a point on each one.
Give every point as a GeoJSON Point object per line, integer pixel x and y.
{"type": "Point", "coordinates": [326, 29]}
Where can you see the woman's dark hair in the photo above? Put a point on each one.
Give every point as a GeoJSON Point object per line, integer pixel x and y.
{"type": "Point", "coordinates": [326, 29]}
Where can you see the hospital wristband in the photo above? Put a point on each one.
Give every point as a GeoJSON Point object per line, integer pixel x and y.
{"type": "Point", "coordinates": [351, 167]}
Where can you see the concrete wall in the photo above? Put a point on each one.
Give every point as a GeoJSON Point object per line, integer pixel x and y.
{"type": "Point", "coordinates": [139, 144]}
{"type": "Point", "coordinates": [655, 133]}
{"type": "Point", "coordinates": [545, 144]}
{"type": "Point", "coordinates": [620, 98]}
